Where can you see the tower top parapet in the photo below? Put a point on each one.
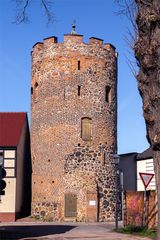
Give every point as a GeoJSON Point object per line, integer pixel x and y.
{"type": "Point", "coordinates": [75, 38]}
{"type": "Point", "coordinates": [75, 41]}
{"type": "Point", "coordinates": [94, 40]}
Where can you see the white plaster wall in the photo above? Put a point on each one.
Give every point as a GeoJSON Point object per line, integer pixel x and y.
{"type": "Point", "coordinates": [145, 166]}
{"type": "Point", "coordinates": [7, 203]}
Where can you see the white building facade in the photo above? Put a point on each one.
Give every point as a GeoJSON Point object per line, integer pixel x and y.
{"type": "Point", "coordinates": [145, 165]}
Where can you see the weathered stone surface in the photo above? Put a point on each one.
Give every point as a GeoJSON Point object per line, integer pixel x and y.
{"type": "Point", "coordinates": [69, 83]}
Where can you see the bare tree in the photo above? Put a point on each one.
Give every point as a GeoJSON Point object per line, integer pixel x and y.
{"type": "Point", "coordinates": [145, 18]}
{"type": "Point", "coordinates": [22, 7]}
{"type": "Point", "coordinates": [147, 52]}
{"type": "Point", "coordinates": [128, 8]}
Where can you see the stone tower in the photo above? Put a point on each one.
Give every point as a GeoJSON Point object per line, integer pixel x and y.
{"type": "Point", "coordinates": [73, 129]}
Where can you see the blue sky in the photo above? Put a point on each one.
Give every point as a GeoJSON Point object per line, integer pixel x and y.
{"type": "Point", "coordinates": [94, 18]}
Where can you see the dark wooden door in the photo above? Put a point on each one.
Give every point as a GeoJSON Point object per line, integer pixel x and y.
{"type": "Point", "coordinates": [70, 205]}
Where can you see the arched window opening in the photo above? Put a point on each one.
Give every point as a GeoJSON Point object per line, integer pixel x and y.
{"type": "Point", "coordinates": [86, 129]}
{"type": "Point", "coordinates": [36, 85]}
{"type": "Point", "coordinates": [35, 91]}
{"type": "Point", "coordinates": [108, 94]}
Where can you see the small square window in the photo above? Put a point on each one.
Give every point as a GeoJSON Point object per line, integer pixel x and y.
{"type": "Point", "coordinates": [10, 172]}
{"type": "Point", "coordinates": [9, 154]}
{"type": "Point", "coordinates": [9, 163]}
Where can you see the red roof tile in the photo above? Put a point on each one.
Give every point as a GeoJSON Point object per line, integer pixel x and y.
{"type": "Point", "coordinates": [11, 124]}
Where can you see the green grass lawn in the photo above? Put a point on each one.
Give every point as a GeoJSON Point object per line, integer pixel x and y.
{"type": "Point", "coordinates": [140, 231]}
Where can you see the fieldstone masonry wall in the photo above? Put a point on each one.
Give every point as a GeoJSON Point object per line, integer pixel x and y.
{"type": "Point", "coordinates": [69, 83]}
{"type": "Point", "coordinates": [90, 169]}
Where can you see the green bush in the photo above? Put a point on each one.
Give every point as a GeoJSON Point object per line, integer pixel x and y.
{"type": "Point", "coordinates": [137, 230]}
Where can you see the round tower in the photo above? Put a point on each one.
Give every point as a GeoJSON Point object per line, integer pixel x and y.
{"type": "Point", "coordinates": [73, 129]}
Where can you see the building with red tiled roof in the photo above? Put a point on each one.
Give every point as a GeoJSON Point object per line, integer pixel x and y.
{"type": "Point", "coordinates": [15, 163]}
{"type": "Point", "coordinates": [10, 128]}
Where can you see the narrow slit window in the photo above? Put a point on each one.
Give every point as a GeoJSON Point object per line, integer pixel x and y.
{"type": "Point", "coordinates": [108, 94]}
{"type": "Point", "coordinates": [86, 129]}
{"type": "Point", "coordinates": [31, 90]}
{"type": "Point", "coordinates": [79, 65]}
{"type": "Point", "coordinates": [104, 158]}
{"type": "Point", "coordinates": [79, 90]}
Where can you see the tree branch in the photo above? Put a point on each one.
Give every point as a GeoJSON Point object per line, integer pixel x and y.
{"type": "Point", "coordinates": [128, 8]}
{"type": "Point", "coordinates": [48, 7]}
{"type": "Point", "coordinates": [22, 10]}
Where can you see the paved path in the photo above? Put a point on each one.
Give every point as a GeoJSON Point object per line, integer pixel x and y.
{"type": "Point", "coordinates": [62, 231]}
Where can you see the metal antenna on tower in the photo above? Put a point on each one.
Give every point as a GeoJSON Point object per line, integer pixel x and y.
{"type": "Point", "coordinates": [74, 27]}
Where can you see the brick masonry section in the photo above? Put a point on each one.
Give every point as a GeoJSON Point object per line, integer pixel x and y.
{"type": "Point", "coordinates": [7, 217]}
{"type": "Point", "coordinates": [71, 81]}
